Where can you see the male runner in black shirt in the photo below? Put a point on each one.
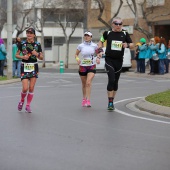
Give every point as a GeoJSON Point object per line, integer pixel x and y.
{"type": "Point", "coordinates": [117, 40]}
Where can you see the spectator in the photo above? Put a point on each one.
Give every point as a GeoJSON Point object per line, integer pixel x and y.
{"type": "Point", "coordinates": [162, 55]}
{"type": "Point", "coordinates": [137, 57]}
{"type": "Point", "coordinates": [142, 54]}
{"type": "Point", "coordinates": [167, 60]}
{"type": "Point", "coordinates": [2, 56]}
{"type": "Point", "coordinates": [16, 61]}
{"type": "Point", "coordinates": [151, 50]}
{"type": "Point", "coordinates": [155, 58]}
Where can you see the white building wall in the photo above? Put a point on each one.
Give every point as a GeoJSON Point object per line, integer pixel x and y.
{"type": "Point", "coordinates": [125, 11]}
{"type": "Point", "coordinates": [57, 53]}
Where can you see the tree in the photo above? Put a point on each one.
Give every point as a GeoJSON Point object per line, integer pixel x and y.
{"type": "Point", "coordinates": [139, 10]}
{"type": "Point", "coordinates": [23, 20]}
{"type": "Point", "coordinates": [3, 18]}
{"type": "Point", "coordinates": [101, 4]}
{"type": "Point", "coordinates": [73, 11]}
{"type": "Point", "coordinates": [46, 10]}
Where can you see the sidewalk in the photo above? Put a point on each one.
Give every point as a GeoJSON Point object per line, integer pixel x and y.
{"type": "Point", "coordinates": [146, 75]}
{"type": "Point", "coordinates": [3, 82]}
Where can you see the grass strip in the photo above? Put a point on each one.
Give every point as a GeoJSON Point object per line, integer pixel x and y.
{"type": "Point", "coordinates": [162, 98]}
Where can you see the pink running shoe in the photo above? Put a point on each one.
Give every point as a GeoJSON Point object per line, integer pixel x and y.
{"type": "Point", "coordinates": [84, 102]}
{"type": "Point", "coordinates": [28, 109]}
{"type": "Point", "coordinates": [88, 103]}
{"type": "Point", "coordinates": [20, 106]}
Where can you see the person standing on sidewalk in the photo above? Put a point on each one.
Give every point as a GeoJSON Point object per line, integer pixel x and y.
{"type": "Point", "coordinates": [137, 57]}
{"type": "Point", "coordinates": [16, 61]}
{"type": "Point", "coordinates": [167, 60]}
{"type": "Point", "coordinates": [142, 54]}
{"type": "Point", "coordinates": [155, 56]}
{"type": "Point", "coordinates": [2, 56]}
{"type": "Point", "coordinates": [151, 50]}
{"type": "Point", "coordinates": [162, 55]}
{"type": "Point", "coordinates": [31, 51]}
{"type": "Point", "coordinates": [87, 65]}
{"type": "Point", "coordinates": [117, 40]}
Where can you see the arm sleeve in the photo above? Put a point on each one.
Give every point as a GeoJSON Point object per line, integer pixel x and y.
{"type": "Point", "coordinates": [103, 38]}
{"type": "Point", "coordinates": [162, 50]}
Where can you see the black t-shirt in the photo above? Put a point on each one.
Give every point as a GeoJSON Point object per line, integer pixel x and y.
{"type": "Point", "coordinates": [114, 49]}
{"type": "Point", "coordinates": [26, 48]}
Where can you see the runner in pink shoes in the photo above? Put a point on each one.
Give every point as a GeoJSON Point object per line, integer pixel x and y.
{"type": "Point", "coordinates": [87, 65]}
{"type": "Point", "coordinates": [31, 51]}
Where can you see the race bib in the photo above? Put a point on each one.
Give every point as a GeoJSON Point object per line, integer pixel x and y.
{"type": "Point", "coordinates": [29, 67]}
{"type": "Point", "coordinates": [87, 62]}
{"type": "Point", "coordinates": [116, 45]}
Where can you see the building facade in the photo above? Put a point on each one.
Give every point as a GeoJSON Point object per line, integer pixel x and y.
{"type": "Point", "coordinates": [51, 17]}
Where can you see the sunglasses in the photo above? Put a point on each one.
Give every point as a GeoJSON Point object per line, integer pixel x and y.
{"type": "Point", "coordinates": [117, 23]}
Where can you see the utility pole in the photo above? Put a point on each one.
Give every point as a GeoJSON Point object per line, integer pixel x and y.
{"type": "Point", "coordinates": [9, 39]}
{"type": "Point", "coordinates": [34, 14]}
{"type": "Point", "coordinates": [85, 14]}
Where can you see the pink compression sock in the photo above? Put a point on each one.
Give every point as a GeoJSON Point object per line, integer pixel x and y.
{"type": "Point", "coordinates": [29, 98]}
{"type": "Point", "coordinates": [23, 96]}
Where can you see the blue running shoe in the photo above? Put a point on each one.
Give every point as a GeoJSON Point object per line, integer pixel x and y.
{"type": "Point", "coordinates": [111, 107]}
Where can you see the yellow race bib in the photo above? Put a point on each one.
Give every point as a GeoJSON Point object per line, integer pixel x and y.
{"type": "Point", "coordinates": [87, 62]}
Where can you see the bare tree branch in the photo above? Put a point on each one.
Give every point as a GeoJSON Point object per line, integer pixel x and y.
{"type": "Point", "coordinates": [102, 8]}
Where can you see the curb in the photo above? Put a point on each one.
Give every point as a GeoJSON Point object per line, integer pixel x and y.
{"type": "Point", "coordinates": [10, 81]}
{"type": "Point", "coordinates": [146, 75]}
{"type": "Point", "coordinates": [144, 105]}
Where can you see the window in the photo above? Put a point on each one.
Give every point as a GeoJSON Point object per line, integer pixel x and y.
{"type": "Point", "coordinates": [94, 4]}
{"type": "Point", "coordinates": [61, 40]}
{"type": "Point", "coordinates": [150, 3]}
{"type": "Point", "coordinates": [53, 16]}
{"type": "Point", "coordinates": [48, 42]}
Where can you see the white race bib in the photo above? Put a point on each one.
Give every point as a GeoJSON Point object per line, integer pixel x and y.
{"type": "Point", "coordinates": [29, 67]}
{"type": "Point", "coordinates": [116, 45]}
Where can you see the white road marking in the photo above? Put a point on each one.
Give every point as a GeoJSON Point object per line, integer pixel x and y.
{"type": "Point", "coordinates": [138, 117]}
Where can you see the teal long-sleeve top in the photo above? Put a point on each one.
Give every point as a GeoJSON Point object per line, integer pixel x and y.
{"type": "Point", "coordinates": [142, 51]}
{"type": "Point", "coordinates": [2, 52]}
{"type": "Point", "coordinates": [14, 51]}
{"type": "Point", "coordinates": [162, 52]}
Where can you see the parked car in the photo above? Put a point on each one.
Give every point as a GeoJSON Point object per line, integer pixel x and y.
{"type": "Point", "coordinates": [126, 60]}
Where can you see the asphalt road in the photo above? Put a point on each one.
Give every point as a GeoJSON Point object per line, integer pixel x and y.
{"type": "Point", "coordinates": [61, 135]}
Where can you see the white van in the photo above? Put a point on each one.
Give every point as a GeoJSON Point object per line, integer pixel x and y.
{"type": "Point", "coordinates": [126, 60]}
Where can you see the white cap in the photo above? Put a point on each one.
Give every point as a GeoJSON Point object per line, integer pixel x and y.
{"type": "Point", "coordinates": [88, 33]}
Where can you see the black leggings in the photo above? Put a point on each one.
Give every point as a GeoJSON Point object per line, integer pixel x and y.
{"type": "Point", "coordinates": [113, 68]}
